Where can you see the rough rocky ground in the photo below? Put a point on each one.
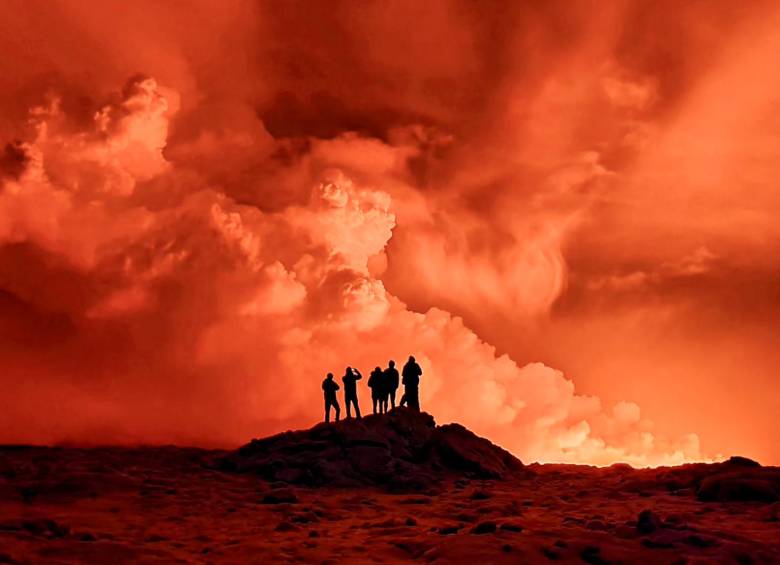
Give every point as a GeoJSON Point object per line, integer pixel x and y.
{"type": "Point", "coordinates": [177, 505]}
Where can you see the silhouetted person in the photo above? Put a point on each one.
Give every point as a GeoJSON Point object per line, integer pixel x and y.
{"type": "Point", "coordinates": [391, 383]}
{"type": "Point", "coordinates": [350, 379]}
{"type": "Point", "coordinates": [411, 380]}
{"type": "Point", "coordinates": [329, 388]}
{"type": "Point", "coordinates": [376, 384]}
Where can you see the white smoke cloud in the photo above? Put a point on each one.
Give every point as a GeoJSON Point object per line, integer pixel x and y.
{"type": "Point", "coordinates": [259, 305]}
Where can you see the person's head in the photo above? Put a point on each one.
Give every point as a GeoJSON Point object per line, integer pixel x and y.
{"type": "Point", "coordinates": [378, 369]}
{"type": "Point", "coordinates": [330, 376]}
{"type": "Point", "coordinates": [391, 363]}
{"type": "Point", "coordinates": [411, 358]}
{"type": "Point", "coordinates": [349, 370]}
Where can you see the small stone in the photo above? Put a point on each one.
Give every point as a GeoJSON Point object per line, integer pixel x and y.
{"type": "Point", "coordinates": [592, 554]}
{"type": "Point", "coordinates": [699, 541]}
{"type": "Point", "coordinates": [280, 496]}
{"type": "Point", "coordinates": [625, 532]}
{"type": "Point", "coordinates": [647, 522]}
{"type": "Point", "coordinates": [286, 527]}
{"type": "Point", "coordinates": [411, 522]}
{"type": "Point", "coordinates": [484, 528]}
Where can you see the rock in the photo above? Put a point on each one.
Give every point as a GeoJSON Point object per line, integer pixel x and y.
{"type": "Point", "coordinates": [647, 522]}
{"type": "Point", "coordinates": [414, 548]}
{"type": "Point", "coordinates": [305, 518]}
{"type": "Point", "coordinates": [658, 542]}
{"type": "Point", "coordinates": [700, 541]}
{"type": "Point", "coordinates": [401, 451]}
{"type": "Point", "coordinates": [460, 450]}
{"type": "Point", "coordinates": [411, 522]}
{"type": "Point", "coordinates": [673, 521]}
{"type": "Point", "coordinates": [622, 467]}
{"type": "Point", "coordinates": [741, 461]}
{"type": "Point", "coordinates": [389, 523]}
{"type": "Point", "coordinates": [740, 486]}
{"type": "Point", "coordinates": [280, 496]}
{"type": "Point", "coordinates": [596, 525]}
{"type": "Point", "coordinates": [466, 517]}
{"type": "Point", "coordinates": [480, 495]}
{"type": "Point", "coordinates": [625, 532]}
{"type": "Point", "coordinates": [45, 528]}
{"type": "Point", "coordinates": [286, 527]}
{"type": "Point", "coordinates": [484, 528]}
{"type": "Point", "coordinates": [448, 530]}
{"type": "Point", "coordinates": [511, 527]}
{"type": "Point", "coordinates": [592, 554]}
{"type": "Point", "coordinates": [425, 500]}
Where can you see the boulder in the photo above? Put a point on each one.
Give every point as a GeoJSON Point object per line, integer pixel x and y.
{"type": "Point", "coordinates": [739, 487]}
{"type": "Point", "coordinates": [403, 450]}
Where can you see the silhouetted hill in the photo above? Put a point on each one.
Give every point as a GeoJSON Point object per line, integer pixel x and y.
{"type": "Point", "coordinates": [402, 450]}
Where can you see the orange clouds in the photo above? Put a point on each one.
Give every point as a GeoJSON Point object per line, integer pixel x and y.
{"type": "Point", "coordinates": [523, 200]}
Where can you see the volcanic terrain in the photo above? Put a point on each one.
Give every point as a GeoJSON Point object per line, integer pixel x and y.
{"type": "Point", "coordinates": [383, 489]}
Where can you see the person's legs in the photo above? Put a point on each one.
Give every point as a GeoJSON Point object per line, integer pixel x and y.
{"type": "Point", "coordinates": [374, 399]}
{"type": "Point", "coordinates": [357, 408]}
{"type": "Point", "coordinates": [392, 399]}
{"type": "Point", "coordinates": [414, 400]}
{"type": "Point", "coordinates": [337, 408]}
{"type": "Point", "coordinates": [348, 400]}
{"type": "Point", "coordinates": [403, 401]}
{"type": "Point", "coordinates": [327, 411]}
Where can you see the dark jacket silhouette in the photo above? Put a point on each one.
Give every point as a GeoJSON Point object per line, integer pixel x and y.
{"type": "Point", "coordinates": [391, 383]}
{"type": "Point", "coordinates": [350, 379]}
{"type": "Point", "coordinates": [411, 380]}
{"type": "Point", "coordinates": [377, 385]}
{"type": "Point", "coordinates": [329, 388]}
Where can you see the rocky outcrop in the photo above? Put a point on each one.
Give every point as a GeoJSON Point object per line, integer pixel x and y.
{"type": "Point", "coordinates": [402, 450]}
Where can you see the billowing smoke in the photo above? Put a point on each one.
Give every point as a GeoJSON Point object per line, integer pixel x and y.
{"type": "Point", "coordinates": [187, 316]}
{"type": "Point", "coordinates": [203, 211]}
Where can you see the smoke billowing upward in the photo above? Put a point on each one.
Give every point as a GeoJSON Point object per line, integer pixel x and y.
{"type": "Point", "coordinates": [203, 210]}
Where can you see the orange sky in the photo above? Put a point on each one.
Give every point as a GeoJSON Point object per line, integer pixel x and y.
{"type": "Point", "coordinates": [565, 210]}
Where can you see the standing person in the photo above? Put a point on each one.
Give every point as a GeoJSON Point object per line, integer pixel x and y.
{"type": "Point", "coordinates": [329, 388]}
{"type": "Point", "coordinates": [376, 384]}
{"type": "Point", "coordinates": [391, 380]}
{"type": "Point", "coordinates": [350, 378]}
{"type": "Point", "coordinates": [411, 380]}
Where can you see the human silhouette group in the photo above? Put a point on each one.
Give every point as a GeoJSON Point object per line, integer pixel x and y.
{"type": "Point", "coordinates": [383, 384]}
